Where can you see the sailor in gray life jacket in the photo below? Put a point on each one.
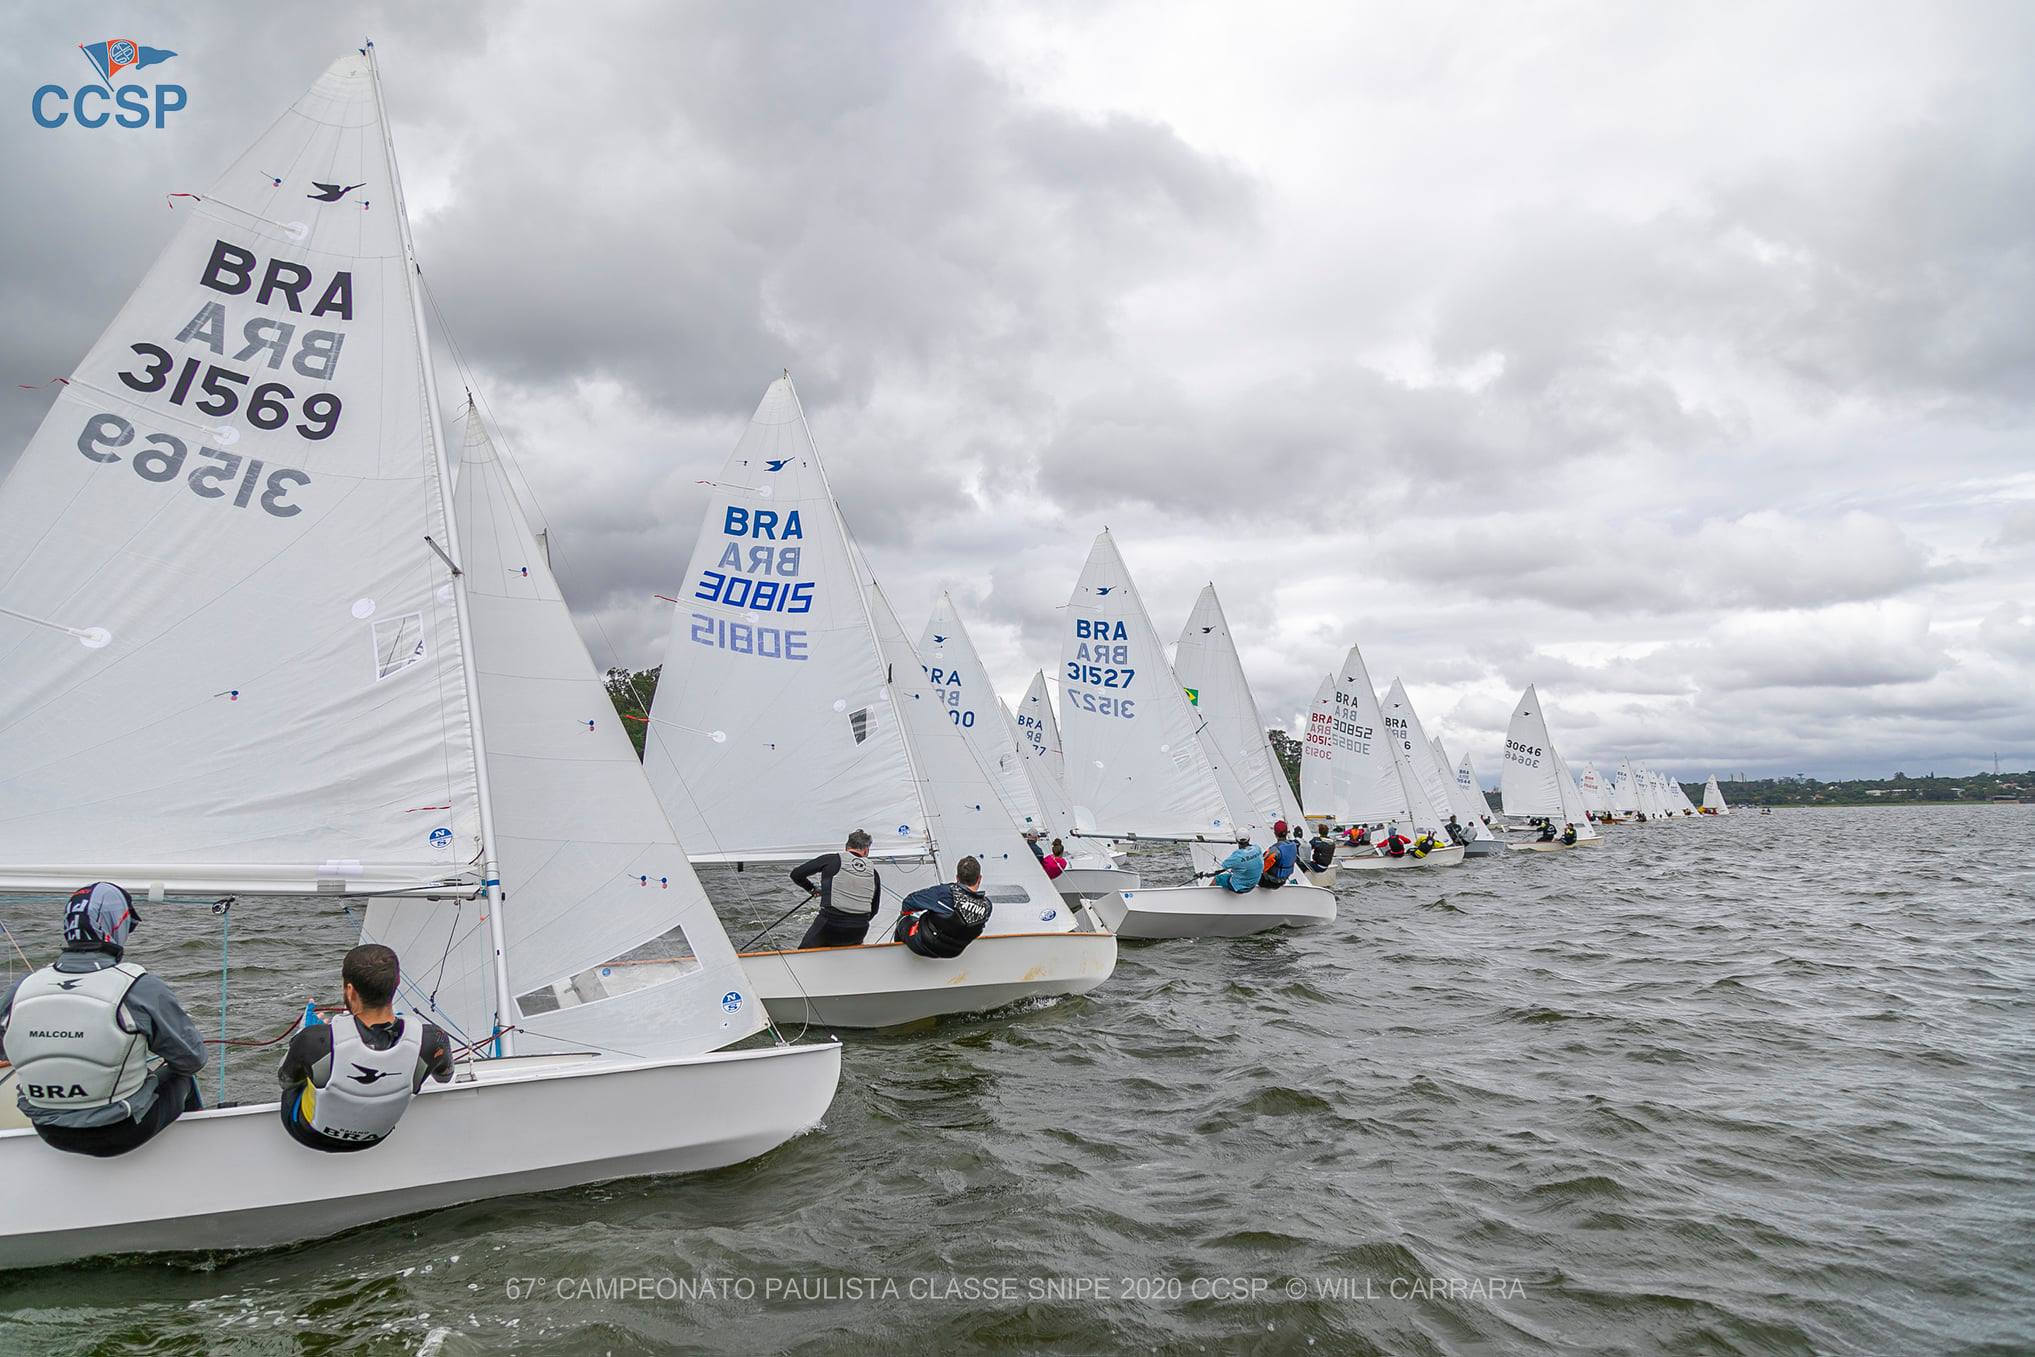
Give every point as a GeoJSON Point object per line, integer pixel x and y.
{"type": "Point", "coordinates": [348, 1082]}
{"type": "Point", "coordinates": [104, 1056]}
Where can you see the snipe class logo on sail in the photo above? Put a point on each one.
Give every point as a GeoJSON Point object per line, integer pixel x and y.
{"type": "Point", "coordinates": [114, 97]}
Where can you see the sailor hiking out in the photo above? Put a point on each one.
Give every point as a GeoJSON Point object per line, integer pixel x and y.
{"type": "Point", "coordinates": [1242, 870]}
{"type": "Point", "coordinates": [104, 1055]}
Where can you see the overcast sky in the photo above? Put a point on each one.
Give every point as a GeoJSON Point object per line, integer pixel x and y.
{"type": "Point", "coordinates": [1679, 359]}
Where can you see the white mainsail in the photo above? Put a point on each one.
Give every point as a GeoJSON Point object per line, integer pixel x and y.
{"type": "Point", "coordinates": [1317, 753]}
{"type": "Point", "coordinates": [593, 866]}
{"type": "Point", "coordinates": [1212, 674]}
{"type": "Point", "coordinates": [1466, 778]}
{"type": "Point", "coordinates": [1713, 797]}
{"type": "Point", "coordinates": [954, 669]}
{"type": "Point", "coordinates": [1430, 789]}
{"type": "Point", "coordinates": [1039, 730]}
{"type": "Point", "coordinates": [772, 640]}
{"type": "Point", "coordinates": [1530, 782]}
{"type": "Point", "coordinates": [1463, 798]}
{"type": "Point", "coordinates": [233, 656]}
{"type": "Point", "coordinates": [1368, 787]}
{"type": "Point", "coordinates": [1137, 761]}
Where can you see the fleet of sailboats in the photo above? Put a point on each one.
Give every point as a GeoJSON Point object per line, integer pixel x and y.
{"type": "Point", "coordinates": [335, 664]}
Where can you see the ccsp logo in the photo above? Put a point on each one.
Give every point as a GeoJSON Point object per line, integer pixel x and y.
{"type": "Point", "coordinates": [108, 99]}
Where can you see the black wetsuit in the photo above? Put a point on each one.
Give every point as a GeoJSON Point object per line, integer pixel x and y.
{"type": "Point", "coordinates": [835, 927]}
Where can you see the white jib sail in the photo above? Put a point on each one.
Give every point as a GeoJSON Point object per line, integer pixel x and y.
{"type": "Point", "coordinates": [1212, 675]}
{"type": "Point", "coordinates": [965, 815]}
{"type": "Point", "coordinates": [591, 866]}
{"type": "Point", "coordinates": [772, 734]}
{"type": "Point", "coordinates": [1368, 787]}
{"type": "Point", "coordinates": [1528, 783]}
{"type": "Point", "coordinates": [1574, 812]}
{"type": "Point", "coordinates": [1135, 761]}
{"type": "Point", "coordinates": [1039, 730]}
{"type": "Point", "coordinates": [252, 678]}
{"type": "Point", "coordinates": [954, 670]}
{"type": "Point", "coordinates": [1317, 753]}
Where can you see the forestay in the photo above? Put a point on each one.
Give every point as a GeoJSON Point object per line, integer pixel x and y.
{"type": "Point", "coordinates": [957, 678]}
{"type": "Point", "coordinates": [1211, 673]}
{"type": "Point", "coordinates": [772, 734]}
{"type": "Point", "coordinates": [592, 867]}
{"type": "Point", "coordinates": [1136, 763]}
{"type": "Point", "coordinates": [250, 677]}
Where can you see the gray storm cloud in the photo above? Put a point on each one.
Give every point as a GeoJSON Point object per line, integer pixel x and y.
{"type": "Point", "coordinates": [1679, 362]}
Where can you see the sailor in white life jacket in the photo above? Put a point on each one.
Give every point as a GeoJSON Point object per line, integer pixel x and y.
{"type": "Point", "coordinates": [104, 1056]}
{"type": "Point", "coordinates": [347, 1083]}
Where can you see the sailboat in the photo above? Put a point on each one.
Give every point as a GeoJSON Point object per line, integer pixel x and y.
{"type": "Point", "coordinates": [1466, 778]}
{"type": "Point", "coordinates": [1211, 673]}
{"type": "Point", "coordinates": [1402, 724]}
{"type": "Point", "coordinates": [1094, 868]}
{"type": "Point", "coordinates": [1373, 780]}
{"type": "Point", "coordinates": [1535, 781]}
{"type": "Point", "coordinates": [1597, 795]}
{"type": "Point", "coordinates": [231, 572]}
{"type": "Point", "coordinates": [792, 709]}
{"type": "Point", "coordinates": [1034, 802]}
{"type": "Point", "coordinates": [1466, 804]}
{"type": "Point", "coordinates": [1140, 763]}
{"type": "Point", "coordinates": [1713, 798]}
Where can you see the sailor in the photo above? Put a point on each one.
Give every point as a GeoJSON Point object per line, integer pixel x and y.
{"type": "Point", "coordinates": [80, 1033]}
{"type": "Point", "coordinates": [940, 921]}
{"type": "Point", "coordinates": [844, 925]}
{"type": "Point", "coordinates": [1455, 830]}
{"type": "Point", "coordinates": [1547, 831]}
{"type": "Point", "coordinates": [1423, 844]}
{"type": "Point", "coordinates": [1032, 837]}
{"type": "Point", "coordinates": [1394, 843]}
{"type": "Point", "coordinates": [1281, 859]}
{"type": "Point", "coordinates": [1055, 862]}
{"type": "Point", "coordinates": [1242, 870]}
{"type": "Point", "coordinates": [348, 1082]}
{"type": "Point", "coordinates": [1569, 834]}
{"type": "Point", "coordinates": [1321, 850]}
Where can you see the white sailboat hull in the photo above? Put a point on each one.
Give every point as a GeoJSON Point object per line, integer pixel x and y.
{"type": "Point", "coordinates": [233, 1178]}
{"type": "Point", "coordinates": [886, 984]}
{"type": "Point", "coordinates": [1364, 860]}
{"type": "Point", "coordinates": [1481, 848]}
{"type": "Point", "coordinates": [1214, 912]}
{"type": "Point", "coordinates": [1557, 846]}
{"type": "Point", "coordinates": [1324, 878]}
{"type": "Point", "coordinates": [1079, 883]}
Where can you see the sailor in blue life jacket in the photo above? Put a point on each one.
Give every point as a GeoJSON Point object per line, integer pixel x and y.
{"type": "Point", "coordinates": [1569, 834]}
{"type": "Point", "coordinates": [81, 1032]}
{"type": "Point", "coordinates": [1281, 859]}
{"type": "Point", "coordinates": [1242, 870]}
{"type": "Point", "coordinates": [843, 924]}
{"type": "Point", "coordinates": [940, 921]}
{"type": "Point", "coordinates": [348, 1082]}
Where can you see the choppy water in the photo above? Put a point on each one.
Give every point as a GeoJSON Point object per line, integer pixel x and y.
{"type": "Point", "coordinates": [1758, 1085]}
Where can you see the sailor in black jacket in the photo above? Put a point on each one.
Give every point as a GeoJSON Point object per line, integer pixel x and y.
{"type": "Point", "coordinates": [847, 923]}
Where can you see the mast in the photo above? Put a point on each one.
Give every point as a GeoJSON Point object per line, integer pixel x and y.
{"type": "Point", "coordinates": [856, 563]}
{"type": "Point", "coordinates": [505, 1042]}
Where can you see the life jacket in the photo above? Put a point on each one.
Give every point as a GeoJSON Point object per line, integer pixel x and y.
{"type": "Point", "coordinates": [1569, 836]}
{"type": "Point", "coordinates": [933, 934]}
{"type": "Point", "coordinates": [1271, 862]}
{"type": "Point", "coordinates": [1324, 854]}
{"type": "Point", "coordinates": [71, 1050]}
{"type": "Point", "coordinates": [365, 1092]}
{"type": "Point", "coordinates": [1395, 845]}
{"type": "Point", "coordinates": [1423, 845]}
